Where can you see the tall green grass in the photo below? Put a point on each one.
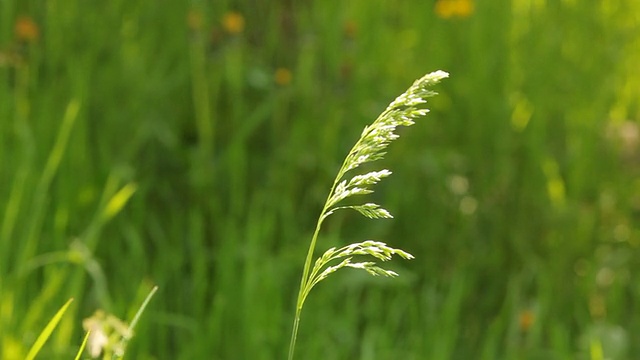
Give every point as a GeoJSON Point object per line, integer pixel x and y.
{"type": "Point", "coordinates": [138, 148]}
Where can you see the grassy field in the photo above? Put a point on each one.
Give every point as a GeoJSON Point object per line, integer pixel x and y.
{"type": "Point", "coordinates": [191, 145]}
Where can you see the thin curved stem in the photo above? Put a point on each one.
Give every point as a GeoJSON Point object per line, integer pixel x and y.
{"type": "Point", "coordinates": [304, 280]}
{"type": "Point", "coordinates": [307, 266]}
{"type": "Point", "coordinates": [294, 334]}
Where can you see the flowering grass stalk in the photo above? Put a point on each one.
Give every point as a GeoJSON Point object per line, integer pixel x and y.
{"type": "Point", "coordinates": [370, 147]}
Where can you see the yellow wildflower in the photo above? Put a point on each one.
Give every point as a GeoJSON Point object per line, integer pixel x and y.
{"type": "Point", "coordinates": [282, 76]}
{"type": "Point", "coordinates": [233, 22]}
{"type": "Point", "coordinates": [447, 9]}
{"type": "Point", "coordinates": [526, 320]}
{"type": "Point", "coordinates": [26, 29]}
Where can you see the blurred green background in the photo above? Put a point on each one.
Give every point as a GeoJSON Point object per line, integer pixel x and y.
{"type": "Point", "coordinates": [191, 145]}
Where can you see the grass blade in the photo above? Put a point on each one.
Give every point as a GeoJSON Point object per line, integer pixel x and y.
{"type": "Point", "coordinates": [136, 318]}
{"type": "Point", "coordinates": [44, 335]}
{"type": "Point", "coordinates": [84, 344]}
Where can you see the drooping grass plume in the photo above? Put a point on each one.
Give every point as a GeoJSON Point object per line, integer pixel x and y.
{"type": "Point", "coordinates": [371, 146]}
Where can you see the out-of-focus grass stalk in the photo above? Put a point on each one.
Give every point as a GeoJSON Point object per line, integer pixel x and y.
{"type": "Point", "coordinates": [42, 190]}
{"type": "Point", "coordinates": [200, 87]}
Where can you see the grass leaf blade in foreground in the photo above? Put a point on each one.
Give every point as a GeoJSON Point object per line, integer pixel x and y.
{"type": "Point", "coordinates": [46, 332]}
{"type": "Point", "coordinates": [374, 139]}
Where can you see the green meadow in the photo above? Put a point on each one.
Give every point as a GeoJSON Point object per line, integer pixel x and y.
{"type": "Point", "coordinates": [190, 145]}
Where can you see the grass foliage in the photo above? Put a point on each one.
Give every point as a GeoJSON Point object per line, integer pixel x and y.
{"type": "Point", "coordinates": [190, 145]}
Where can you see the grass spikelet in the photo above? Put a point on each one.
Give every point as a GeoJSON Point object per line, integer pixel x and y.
{"type": "Point", "coordinates": [371, 146]}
